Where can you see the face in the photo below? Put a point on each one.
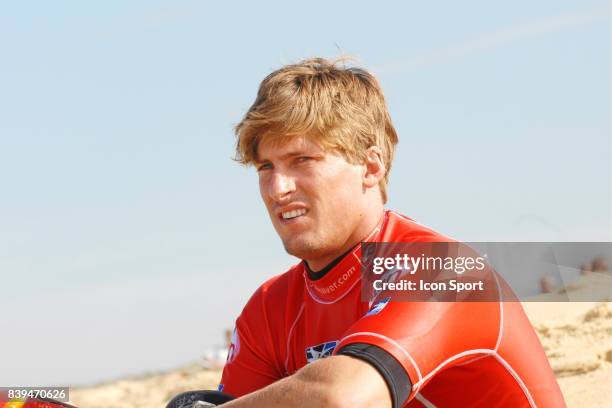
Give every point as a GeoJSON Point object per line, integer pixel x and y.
{"type": "Point", "coordinates": [314, 198]}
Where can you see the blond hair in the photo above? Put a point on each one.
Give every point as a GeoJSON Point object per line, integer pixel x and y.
{"type": "Point", "coordinates": [341, 108]}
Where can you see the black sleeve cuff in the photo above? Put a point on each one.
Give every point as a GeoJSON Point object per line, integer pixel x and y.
{"type": "Point", "coordinates": [392, 371]}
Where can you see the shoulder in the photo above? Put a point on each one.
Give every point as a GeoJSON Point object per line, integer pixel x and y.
{"type": "Point", "coordinates": [400, 228]}
{"type": "Point", "coordinates": [275, 293]}
{"type": "Point", "coordinates": [262, 324]}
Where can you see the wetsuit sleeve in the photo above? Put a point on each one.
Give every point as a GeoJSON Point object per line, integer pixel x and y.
{"type": "Point", "coordinates": [251, 362]}
{"type": "Point", "coordinates": [422, 338]}
{"type": "Point", "coordinates": [391, 370]}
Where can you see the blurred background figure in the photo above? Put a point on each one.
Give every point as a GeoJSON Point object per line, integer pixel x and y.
{"type": "Point", "coordinates": [214, 358]}
{"type": "Point", "coordinates": [228, 337]}
{"type": "Point", "coordinates": [546, 284]}
{"type": "Point", "coordinates": [600, 264]}
{"type": "Point", "coordinates": [585, 268]}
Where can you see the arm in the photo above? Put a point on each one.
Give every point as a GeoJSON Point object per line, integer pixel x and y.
{"type": "Point", "coordinates": [252, 362]}
{"type": "Point", "coordinates": [335, 382]}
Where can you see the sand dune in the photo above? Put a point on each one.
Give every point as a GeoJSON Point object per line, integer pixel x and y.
{"type": "Point", "coordinates": [153, 390]}
{"type": "Point", "coordinates": [577, 338]}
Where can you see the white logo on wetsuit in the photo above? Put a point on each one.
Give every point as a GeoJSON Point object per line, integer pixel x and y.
{"type": "Point", "coordinates": [320, 350]}
{"type": "Point", "coordinates": [234, 347]}
{"type": "Point", "coordinates": [378, 307]}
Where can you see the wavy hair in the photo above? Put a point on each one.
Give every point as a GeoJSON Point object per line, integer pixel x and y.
{"type": "Point", "coordinates": [340, 107]}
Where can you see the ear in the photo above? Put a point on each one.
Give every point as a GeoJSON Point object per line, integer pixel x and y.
{"type": "Point", "coordinates": [374, 167]}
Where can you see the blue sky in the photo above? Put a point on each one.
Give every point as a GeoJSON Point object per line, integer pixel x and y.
{"type": "Point", "coordinates": [129, 238]}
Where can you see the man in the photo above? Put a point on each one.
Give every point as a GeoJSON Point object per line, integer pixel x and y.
{"type": "Point", "coordinates": [322, 141]}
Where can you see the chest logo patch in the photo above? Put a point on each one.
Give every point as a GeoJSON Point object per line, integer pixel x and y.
{"type": "Point", "coordinates": [322, 350]}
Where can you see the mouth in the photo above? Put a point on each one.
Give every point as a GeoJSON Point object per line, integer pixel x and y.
{"type": "Point", "coordinates": [293, 214]}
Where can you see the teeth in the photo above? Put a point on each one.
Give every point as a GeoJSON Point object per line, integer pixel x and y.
{"type": "Point", "coordinates": [292, 214]}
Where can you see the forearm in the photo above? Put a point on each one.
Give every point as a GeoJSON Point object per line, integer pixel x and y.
{"type": "Point", "coordinates": [334, 382]}
{"type": "Point", "coordinates": [290, 392]}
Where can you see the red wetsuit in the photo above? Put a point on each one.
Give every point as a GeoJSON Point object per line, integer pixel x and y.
{"type": "Point", "coordinates": [430, 353]}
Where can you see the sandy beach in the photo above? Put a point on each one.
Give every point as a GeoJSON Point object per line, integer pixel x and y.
{"type": "Point", "coordinates": [577, 338]}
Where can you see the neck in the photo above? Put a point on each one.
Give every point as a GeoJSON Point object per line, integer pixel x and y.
{"type": "Point", "coordinates": [368, 222]}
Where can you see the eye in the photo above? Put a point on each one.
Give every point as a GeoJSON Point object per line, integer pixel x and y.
{"type": "Point", "coordinates": [264, 166]}
{"type": "Point", "coordinates": [303, 159]}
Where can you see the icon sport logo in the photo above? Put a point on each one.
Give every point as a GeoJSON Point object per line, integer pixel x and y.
{"type": "Point", "coordinates": [320, 350]}
{"type": "Point", "coordinates": [378, 307]}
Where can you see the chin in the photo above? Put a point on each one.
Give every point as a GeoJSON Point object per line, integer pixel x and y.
{"type": "Point", "coordinates": [300, 248]}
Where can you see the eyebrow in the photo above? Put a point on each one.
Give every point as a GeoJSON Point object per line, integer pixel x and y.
{"type": "Point", "coordinates": [287, 155]}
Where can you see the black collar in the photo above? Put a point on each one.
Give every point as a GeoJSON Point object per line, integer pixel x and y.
{"type": "Point", "coordinates": [316, 275]}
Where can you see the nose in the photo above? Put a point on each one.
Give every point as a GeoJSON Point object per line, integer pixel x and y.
{"type": "Point", "coordinates": [280, 186]}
